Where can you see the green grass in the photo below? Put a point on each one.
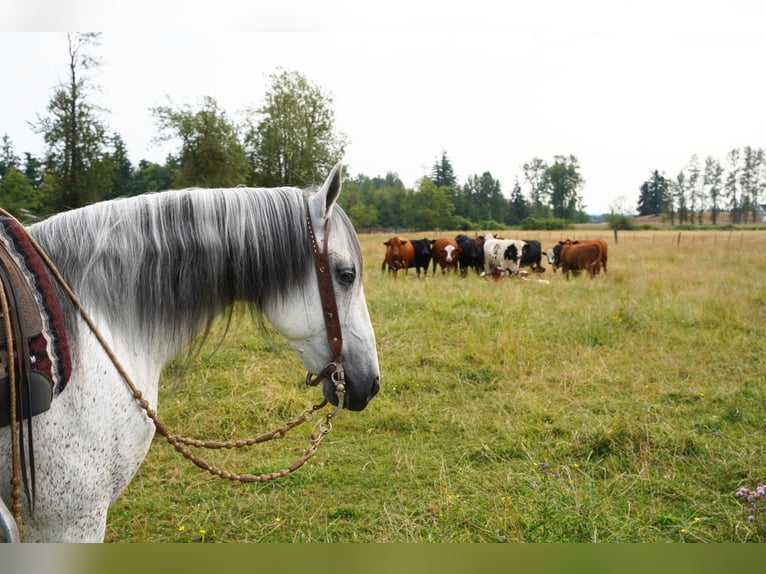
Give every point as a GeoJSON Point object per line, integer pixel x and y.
{"type": "Point", "coordinates": [624, 409]}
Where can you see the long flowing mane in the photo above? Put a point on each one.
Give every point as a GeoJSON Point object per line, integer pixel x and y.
{"type": "Point", "coordinates": [152, 272]}
{"type": "Point", "coordinates": [164, 264]}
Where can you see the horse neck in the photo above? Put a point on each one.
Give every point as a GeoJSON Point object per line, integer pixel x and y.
{"type": "Point", "coordinates": [158, 269]}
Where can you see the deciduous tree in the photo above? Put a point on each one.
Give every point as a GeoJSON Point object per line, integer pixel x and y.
{"type": "Point", "coordinates": [211, 154]}
{"type": "Point", "coordinates": [75, 132]}
{"type": "Point", "coordinates": [292, 139]}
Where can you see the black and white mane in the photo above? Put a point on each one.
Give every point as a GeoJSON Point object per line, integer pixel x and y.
{"type": "Point", "coordinates": [183, 256]}
{"type": "Point", "coordinates": [152, 272]}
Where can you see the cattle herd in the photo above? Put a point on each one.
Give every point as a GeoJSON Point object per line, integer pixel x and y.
{"type": "Point", "coordinates": [491, 256]}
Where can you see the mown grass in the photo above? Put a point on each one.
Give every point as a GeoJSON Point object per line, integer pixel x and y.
{"type": "Point", "coordinates": [629, 408]}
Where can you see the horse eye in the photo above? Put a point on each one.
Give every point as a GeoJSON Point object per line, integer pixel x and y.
{"type": "Point", "coordinates": [347, 275]}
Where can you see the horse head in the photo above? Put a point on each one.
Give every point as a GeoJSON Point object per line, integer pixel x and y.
{"type": "Point", "coordinates": [299, 314]}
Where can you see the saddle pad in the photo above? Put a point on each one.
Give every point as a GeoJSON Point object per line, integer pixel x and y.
{"type": "Point", "coordinates": [49, 350]}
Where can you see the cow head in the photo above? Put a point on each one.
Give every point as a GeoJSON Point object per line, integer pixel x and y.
{"type": "Point", "coordinates": [394, 248]}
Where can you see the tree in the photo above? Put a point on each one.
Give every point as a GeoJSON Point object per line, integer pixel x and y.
{"type": "Point", "coordinates": [696, 197]}
{"type": "Point", "coordinates": [17, 195]}
{"type": "Point", "coordinates": [731, 187]}
{"type": "Point", "coordinates": [484, 198]}
{"type": "Point", "coordinates": [8, 159]}
{"type": "Point", "coordinates": [123, 183]}
{"type": "Point", "coordinates": [428, 207]}
{"type": "Point", "coordinates": [442, 173]}
{"type": "Point", "coordinates": [534, 172]}
{"type": "Point", "coordinates": [653, 197]}
{"type": "Point", "coordinates": [74, 132]}
{"type": "Point", "coordinates": [680, 189]}
{"type": "Point", "coordinates": [34, 170]}
{"type": "Point", "coordinates": [749, 181]}
{"type": "Point", "coordinates": [291, 139]}
{"type": "Point", "coordinates": [518, 209]}
{"type": "Point", "coordinates": [154, 177]}
{"type": "Point", "coordinates": [563, 181]}
{"type": "Point", "coordinates": [712, 179]}
{"type": "Point", "coordinates": [211, 154]}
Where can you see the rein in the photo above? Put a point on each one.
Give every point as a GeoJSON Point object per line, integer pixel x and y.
{"type": "Point", "coordinates": [333, 372]}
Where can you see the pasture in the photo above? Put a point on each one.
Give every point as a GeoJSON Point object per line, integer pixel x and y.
{"type": "Point", "coordinates": [629, 408]}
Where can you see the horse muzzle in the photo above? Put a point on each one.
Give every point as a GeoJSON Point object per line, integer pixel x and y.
{"type": "Point", "coordinates": [356, 397]}
{"type": "Point", "coordinates": [336, 383]}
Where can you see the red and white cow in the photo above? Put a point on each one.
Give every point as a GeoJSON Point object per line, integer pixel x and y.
{"type": "Point", "coordinates": [445, 252]}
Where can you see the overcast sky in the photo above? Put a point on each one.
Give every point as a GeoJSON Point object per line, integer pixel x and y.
{"type": "Point", "coordinates": [625, 88]}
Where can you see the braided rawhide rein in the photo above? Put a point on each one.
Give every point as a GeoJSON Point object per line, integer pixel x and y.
{"type": "Point", "coordinates": [180, 443]}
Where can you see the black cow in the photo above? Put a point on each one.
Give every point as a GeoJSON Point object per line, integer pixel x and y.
{"type": "Point", "coordinates": [471, 255]}
{"type": "Point", "coordinates": [422, 254]}
{"type": "Point", "coordinates": [531, 255]}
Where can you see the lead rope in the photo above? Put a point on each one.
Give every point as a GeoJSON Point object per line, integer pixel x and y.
{"type": "Point", "coordinates": [15, 454]}
{"type": "Point", "coordinates": [179, 442]}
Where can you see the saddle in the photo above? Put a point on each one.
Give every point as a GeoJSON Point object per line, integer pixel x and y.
{"type": "Point", "coordinates": [32, 323]}
{"type": "Point", "coordinates": [34, 391]}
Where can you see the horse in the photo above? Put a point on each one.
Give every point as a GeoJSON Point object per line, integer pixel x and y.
{"type": "Point", "coordinates": [153, 271]}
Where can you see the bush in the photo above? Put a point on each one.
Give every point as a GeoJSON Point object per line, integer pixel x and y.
{"type": "Point", "coordinates": [462, 223]}
{"type": "Point", "coordinates": [620, 222]}
{"type": "Point", "coordinates": [547, 224]}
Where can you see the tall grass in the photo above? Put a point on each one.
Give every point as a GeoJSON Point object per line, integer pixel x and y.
{"type": "Point", "coordinates": [627, 408]}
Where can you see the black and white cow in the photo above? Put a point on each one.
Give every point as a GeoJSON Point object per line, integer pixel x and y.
{"type": "Point", "coordinates": [500, 255]}
{"type": "Point", "coordinates": [554, 256]}
{"type": "Point", "coordinates": [471, 255]}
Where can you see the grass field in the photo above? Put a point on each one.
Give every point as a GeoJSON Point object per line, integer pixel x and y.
{"type": "Point", "coordinates": [623, 409]}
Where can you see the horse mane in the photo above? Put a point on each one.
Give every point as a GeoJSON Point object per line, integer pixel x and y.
{"type": "Point", "coordinates": [166, 264]}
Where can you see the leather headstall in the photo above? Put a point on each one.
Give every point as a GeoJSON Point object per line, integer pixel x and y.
{"type": "Point", "coordinates": [334, 369]}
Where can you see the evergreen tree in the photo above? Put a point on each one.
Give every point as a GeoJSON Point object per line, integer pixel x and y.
{"type": "Point", "coordinates": [8, 159]}
{"type": "Point", "coordinates": [518, 209]}
{"type": "Point", "coordinates": [442, 173]}
{"type": "Point", "coordinates": [123, 183]}
{"type": "Point", "coordinates": [653, 197]}
{"type": "Point", "coordinates": [34, 170]}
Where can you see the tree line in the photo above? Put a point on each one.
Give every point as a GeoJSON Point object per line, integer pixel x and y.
{"type": "Point", "coordinates": [736, 184]}
{"type": "Point", "coordinates": [291, 139]}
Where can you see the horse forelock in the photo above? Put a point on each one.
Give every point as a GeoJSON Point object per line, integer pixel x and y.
{"type": "Point", "coordinates": [161, 265]}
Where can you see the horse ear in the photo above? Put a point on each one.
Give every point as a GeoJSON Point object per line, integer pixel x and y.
{"type": "Point", "coordinates": [328, 193]}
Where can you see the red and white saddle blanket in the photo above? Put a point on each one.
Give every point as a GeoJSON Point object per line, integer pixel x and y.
{"type": "Point", "coordinates": [46, 341]}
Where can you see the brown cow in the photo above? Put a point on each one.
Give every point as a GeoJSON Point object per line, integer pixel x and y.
{"type": "Point", "coordinates": [399, 255]}
{"type": "Point", "coordinates": [445, 252]}
{"type": "Point", "coordinates": [575, 256]}
{"type": "Point", "coordinates": [555, 253]}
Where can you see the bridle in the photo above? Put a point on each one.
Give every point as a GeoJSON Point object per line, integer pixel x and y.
{"type": "Point", "coordinates": [334, 369]}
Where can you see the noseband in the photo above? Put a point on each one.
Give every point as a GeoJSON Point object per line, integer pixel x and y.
{"type": "Point", "coordinates": [334, 369]}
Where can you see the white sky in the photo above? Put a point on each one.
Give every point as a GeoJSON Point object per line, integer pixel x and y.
{"type": "Point", "coordinates": [626, 88]}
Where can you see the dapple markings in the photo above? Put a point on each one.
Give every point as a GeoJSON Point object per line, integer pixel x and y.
{"type": "Point", "coordinates": [153, 271]}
